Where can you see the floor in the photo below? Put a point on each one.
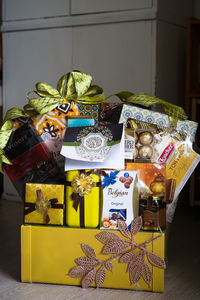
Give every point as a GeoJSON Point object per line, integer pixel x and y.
{"type": "Point", "coordinates": [182, 277]}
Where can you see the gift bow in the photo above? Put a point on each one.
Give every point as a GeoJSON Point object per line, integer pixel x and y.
{"type": "Point", "coordinates": [42, 205]}
{"type": "Point", "coordinates": [6, 131]}
{"type": "Point", "coordinates": [82, 185]}
{"type": "Point", "coordinates": [74, 86]}
{"type": "Point", "coordinates": [173, 111]}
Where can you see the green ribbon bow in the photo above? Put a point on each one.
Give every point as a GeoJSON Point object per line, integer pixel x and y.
{"type": "Point", "coordinates": [173, 111]}
{"type": "Point", "coordinates": [4, 137]}
{"type": "Point", "coordinates": [74, 86]}
{"type": "Point", "coordinates": [6, 131]}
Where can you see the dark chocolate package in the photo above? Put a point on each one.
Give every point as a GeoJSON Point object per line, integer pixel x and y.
{"type": "Point", "coordinates": [109, 112]}
{"type": "Point", "coordinates": [30, 158]}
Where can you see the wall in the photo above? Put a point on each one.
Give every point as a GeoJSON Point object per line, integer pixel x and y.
{"type": "Point", "coordinates": [123, 44]}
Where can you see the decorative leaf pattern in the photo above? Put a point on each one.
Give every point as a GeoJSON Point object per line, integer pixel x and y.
{"type": "Point", "coordinates": [85, 261]}
{"type": "Point", "coordinates": [89, 278]}
{"type": "Point", "coordinates": [136, 225]}
{"type": "Point", "coordinates": [146, 273]}
{"type": "Point", "coordinates": [109, 266]}
{"type": "Point", "coordinates": [114, 246]}
{"type": "Point", "coordinates": [77, 272]}
{"type": "Point", "coordinates": [100, 276]}
{"type": "Point", "coordinates": [134, 273]}
{"type": "Point", "coordinates": [123, 228]}
{"type": "Point", "coordinates": [89, 251]}
{"type": "Point", "coordinates": [129, 257]}
{"type": "Point", "coordinates": [104, 236]}
{"type": "Point", "coordinates": [156, 260]}
{"type": "Point", "coordinates": [91, 269]}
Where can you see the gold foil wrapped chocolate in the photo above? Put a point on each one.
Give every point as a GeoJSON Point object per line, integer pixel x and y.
{"type": "Point", "coordinates": [146, 137]}
{"type": "Point", "coordinates": [144, 144]}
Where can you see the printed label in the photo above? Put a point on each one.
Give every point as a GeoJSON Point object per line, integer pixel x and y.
{"type": "Point", "coordinates": [166, 153]}
{"type": "Point", "coordinates": [118, 198]}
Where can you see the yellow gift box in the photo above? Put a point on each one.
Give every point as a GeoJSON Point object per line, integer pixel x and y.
{"type": "Point", "coordinates": [82, 209]}
{"type": "Point", "coordinates": [48, 254]}
{"type": "Point", "coordinates": [44, 204]}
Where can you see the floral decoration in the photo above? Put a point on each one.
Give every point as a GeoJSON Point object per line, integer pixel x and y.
{"type": "Point", "coordinates": [90, 269]}
{"type": "Point", "coordinates": [82, 184]}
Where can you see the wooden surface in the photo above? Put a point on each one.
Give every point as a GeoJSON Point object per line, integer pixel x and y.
{"type": "Point", "coordinates": [182, 280]}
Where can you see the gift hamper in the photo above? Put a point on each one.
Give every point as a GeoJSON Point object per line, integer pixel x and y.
{"type": "Point", "coordinates": [99, 182]}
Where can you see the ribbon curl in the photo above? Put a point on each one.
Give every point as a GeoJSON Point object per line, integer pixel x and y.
{"type": "Point", "coordinates": [74, 86]}
{"type": "Point", "coordinates": [173, 111]}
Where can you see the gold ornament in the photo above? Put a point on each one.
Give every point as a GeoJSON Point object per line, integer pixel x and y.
{"type": "Point", "coordinates": [82, 184]}
{"type": "Point", "coordinates": [42, 205]}
{"type": "Point", "coordinates": [158, 185]}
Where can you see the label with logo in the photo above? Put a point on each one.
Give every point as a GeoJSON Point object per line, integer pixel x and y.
{"type": "Point", "coordinates": [166, 153]}
{"type": "Point", "coordinates": [120, 198]}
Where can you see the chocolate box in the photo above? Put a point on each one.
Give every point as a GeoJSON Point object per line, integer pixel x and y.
{"type": "Point", "coordinates": [30, 158]}
{"type": "Point", "coordinates": [152, 193]}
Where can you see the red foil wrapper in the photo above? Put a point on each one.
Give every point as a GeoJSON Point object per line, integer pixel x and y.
{"type": "Point", "coordinates": [31, 159]}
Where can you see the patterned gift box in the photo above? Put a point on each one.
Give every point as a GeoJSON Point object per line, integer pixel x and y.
{"type": "Point", "coordinates": [152, 117]}
{"type": "Point", "coordinates": [44, 204]}
{"type": "Point", "coordinates": [189, 127]}
{"type": "Point", "coordinates": [82, 199]}
{"type": "Point", "coordinates": [89, 110]}
{"type": "Point", "coordinates": [51, 127]}
{"type": "Point", "coordinates": [146, 115]}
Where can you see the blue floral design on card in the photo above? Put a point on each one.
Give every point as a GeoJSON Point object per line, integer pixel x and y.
{"type": "Point", "coordinates": [161, 122]}
{"type": "Point", "coordinates": [110, 179]}
{"type": "Point", "coordinates": [138, 116]}
{"type": "Point", "coordinates": [150, 119]}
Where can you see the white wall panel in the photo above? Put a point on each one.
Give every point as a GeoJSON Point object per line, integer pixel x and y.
{"type": "Point", "coordinates": [94, 6]}
{"type": "Point", "coordinates": [29, 9]}
{"type": "Point", "coordinates": [33, 56]}
{"type": "Point", "coordinates": [118, 55]}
